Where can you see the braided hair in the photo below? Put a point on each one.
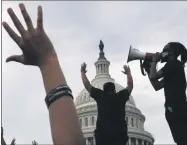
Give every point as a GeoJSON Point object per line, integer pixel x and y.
{"type": "Point", "coordinates": [178, 49]}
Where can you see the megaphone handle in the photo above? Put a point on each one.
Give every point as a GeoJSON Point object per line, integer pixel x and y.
{"type": "Point", "coordinates": [142, 69]}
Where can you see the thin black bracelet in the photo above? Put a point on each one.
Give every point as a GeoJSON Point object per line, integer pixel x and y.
{"type": "Point", "coordinates": [58, 88]}
{"type": "Point", "coordinates": [57, 93]}
{"type": "Point", "coordinates": [52, 97]}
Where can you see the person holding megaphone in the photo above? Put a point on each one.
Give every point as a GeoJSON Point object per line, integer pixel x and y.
{"type": "Point", "coordinates": [174, 84]}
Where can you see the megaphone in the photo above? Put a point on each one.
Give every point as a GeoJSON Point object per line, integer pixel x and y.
{"type": "Point", "coordinates": [135, 54]}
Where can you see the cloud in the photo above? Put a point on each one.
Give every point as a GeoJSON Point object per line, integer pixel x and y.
{"type": "Point", "coordinates": [75, 29]}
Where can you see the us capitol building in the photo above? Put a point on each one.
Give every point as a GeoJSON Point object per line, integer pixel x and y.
{"type": "Point", "coordinates": [87, 108]}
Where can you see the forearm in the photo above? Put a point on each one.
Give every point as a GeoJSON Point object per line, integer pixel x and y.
{"type": "Point", "coordinates": [85, 81]}
{"type": "Point", "coordinates": [153, 70]}
{"type": "Point", "coordinates": [64, 123]}
{"type": "Point", "coordinates": [157, 85]}
{"type": "Point", "coordinates": [129, 80]}
{"type": "Point", "coordinates": [52, 74]}
{"type": "Point", "coordinates": [63, 118]}
{"type": "Point", "coordinates": [2, 140]}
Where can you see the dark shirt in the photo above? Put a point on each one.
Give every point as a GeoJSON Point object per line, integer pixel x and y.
{"type": "Point", "coordinates": [174, 83]}
{"type": "Point", "coordinates": [111, 109]}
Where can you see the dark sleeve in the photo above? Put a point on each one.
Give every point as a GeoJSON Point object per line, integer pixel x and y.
{"type": "Point", "coordinates": [95, 93]}
{"type": "Point", "coordinates": [172, 68]}
{"type": "Point", "coordinates": [124, 94]}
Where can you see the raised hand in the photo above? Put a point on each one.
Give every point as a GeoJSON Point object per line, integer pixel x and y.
{"type": "Point", "coordinates": [13, 142]}
{"type": "Point", "coordinates": [126, 69]}
{"type": "Point", "coordinates": [83, 67]}
{"type": "Point", "coordinates": [2, 137]}
{"type": "Point", "coordinates": [36, 46]}
{"type": "Point", "coordinates": [34, 143]}
{"type": "Point", "coordinates": [146, 66]}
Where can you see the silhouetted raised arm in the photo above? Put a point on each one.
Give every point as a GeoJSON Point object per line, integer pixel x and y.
{"type": "Point", "coordinates": [127, 71]}
{"type": "Point", "coordinates": [38, 51]}
{"type": "Point", "coordinates": [85, 80]}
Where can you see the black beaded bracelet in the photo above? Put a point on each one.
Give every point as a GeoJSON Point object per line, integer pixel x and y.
{"type": "Point", "coordinates": [56, 93]}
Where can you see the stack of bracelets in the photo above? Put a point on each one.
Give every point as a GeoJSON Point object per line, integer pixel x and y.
{"type": "Point", "coordinates": [56, 93]}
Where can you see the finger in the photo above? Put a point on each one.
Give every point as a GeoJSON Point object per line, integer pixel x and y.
{"type": "Point", "coordinates": [11, 33]}
{"type": "Point", "coordinates": [13, 141]}
{"type": "Point", "coordinates": [16, 21]}
{"type": "Point", "coordinates": [16, 58]}
{"type": "Point", "coordinates": [40, 18]}
{"type": "Point", "coordinates": [26, 17]}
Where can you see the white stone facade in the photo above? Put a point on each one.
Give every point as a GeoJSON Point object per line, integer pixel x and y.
{"type": "Point", "coordinates": [87, 110]}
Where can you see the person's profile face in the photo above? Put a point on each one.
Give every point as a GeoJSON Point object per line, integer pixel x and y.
{"type": "Point", "coordinates": [165, 53]}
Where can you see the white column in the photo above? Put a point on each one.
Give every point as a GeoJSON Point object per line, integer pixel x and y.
{"type": "Point", "coordinates": [86, 141]}
{"type": "Point", "coordinates": [130, 121]}
{"type": "Point", "coordinates": [94, 140]}
{"type": "Point", "coordinates": [137, 123]}
{"type": "Point", "coordinates": [99, 68]}
{"type": "Point", "coordinates": [129, 141]}
{"type": "Point", "coordinates": [141, 125]}
{"type": "Point", "coordinates": [142, 142]}
{"type": "Point", "coordinates": [136, 141]}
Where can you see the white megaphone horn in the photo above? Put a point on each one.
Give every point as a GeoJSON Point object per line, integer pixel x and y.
{"type": "Point", "coordinates": [135, 54]}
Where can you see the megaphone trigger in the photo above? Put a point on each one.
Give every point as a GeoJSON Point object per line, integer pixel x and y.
{"type": "Point", "coordinates": [142, 68]}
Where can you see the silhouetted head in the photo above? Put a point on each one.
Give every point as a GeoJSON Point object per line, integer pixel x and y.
{"type": "Point", "coordinates": [109, 87]}
{"type": "Point", "coordinates": [173, 50]}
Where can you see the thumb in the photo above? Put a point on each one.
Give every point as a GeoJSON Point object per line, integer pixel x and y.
{"type": "Point", "coordinates": [123, 72]}
{"type": "Point", "coordinates": [16, 58]}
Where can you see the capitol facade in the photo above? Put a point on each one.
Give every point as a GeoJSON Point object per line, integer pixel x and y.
{"type": "Point", "coordinates": [87, 109]}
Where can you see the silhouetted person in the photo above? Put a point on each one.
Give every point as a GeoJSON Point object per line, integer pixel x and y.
{"type": "Point", "coordinates": [111, 127]}
{"type": "Point", "coordinates": [174, 84]}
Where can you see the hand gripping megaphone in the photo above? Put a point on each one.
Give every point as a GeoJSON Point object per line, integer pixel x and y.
{"type": "Point", "coordinates": [135, 54]}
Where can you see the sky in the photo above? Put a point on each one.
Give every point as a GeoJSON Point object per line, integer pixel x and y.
{"type": "Point", "coordinates": [75, 29]}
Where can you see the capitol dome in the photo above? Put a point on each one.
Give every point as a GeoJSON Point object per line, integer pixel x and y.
{"type": "Point", "coordinates": [87, 109]}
